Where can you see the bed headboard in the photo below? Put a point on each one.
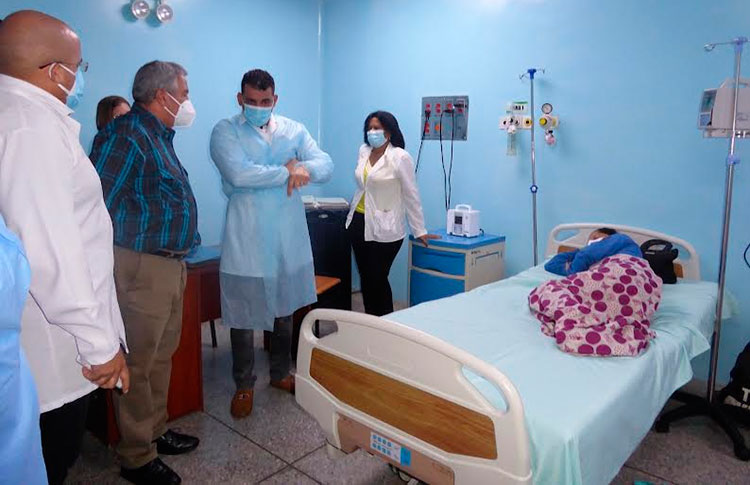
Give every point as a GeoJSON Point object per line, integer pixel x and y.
{"type": "Point", "coordinates": [567, 237]}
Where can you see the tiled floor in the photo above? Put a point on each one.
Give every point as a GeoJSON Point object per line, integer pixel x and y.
{"type": "Point", "coordinates": [280, 444]}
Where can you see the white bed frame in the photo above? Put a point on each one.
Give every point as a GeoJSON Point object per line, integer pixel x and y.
{"type": "Point", "coordinates": [374, 378]}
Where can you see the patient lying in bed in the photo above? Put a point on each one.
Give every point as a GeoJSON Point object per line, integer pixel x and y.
{"type": "Point", "coordinates": [604, 304]}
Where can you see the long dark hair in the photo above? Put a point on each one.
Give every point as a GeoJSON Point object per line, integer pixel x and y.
{"type": "Point", "coordinates": [390, 125]}
{"type": "Point", "coordinates": [104, 109]}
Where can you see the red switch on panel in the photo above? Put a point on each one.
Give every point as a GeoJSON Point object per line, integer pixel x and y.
{"type": "Point", "coordinates": [437, 107]}
{"type": "Point", "coordinates": [449, 106]}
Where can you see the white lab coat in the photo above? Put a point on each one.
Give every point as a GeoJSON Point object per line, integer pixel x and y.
{"type": "Point", "coordinates": [390, 192]}
{"type": "Point", "coordinates": [51, 197]}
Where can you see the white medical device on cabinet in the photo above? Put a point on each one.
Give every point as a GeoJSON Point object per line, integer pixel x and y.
{"type": "Point", "coordinates": [463, 221]}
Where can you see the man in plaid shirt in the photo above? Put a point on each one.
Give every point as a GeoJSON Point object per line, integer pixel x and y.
{"type": "Point", "coordinates": [154, 214]}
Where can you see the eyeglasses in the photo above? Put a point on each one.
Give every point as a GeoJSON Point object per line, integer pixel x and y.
{"type": "Point", "coordinates": [82, 65]}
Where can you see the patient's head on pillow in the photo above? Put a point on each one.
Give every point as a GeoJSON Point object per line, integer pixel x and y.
{"type": "Point", "coordinates": [599, 234]}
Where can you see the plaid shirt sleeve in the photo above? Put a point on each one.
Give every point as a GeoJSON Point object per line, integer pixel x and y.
{"type": "Point", "coordinates": [115, 157]}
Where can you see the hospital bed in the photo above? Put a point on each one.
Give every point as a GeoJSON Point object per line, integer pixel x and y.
{"type": "Point", "coordinates": [468, 390]}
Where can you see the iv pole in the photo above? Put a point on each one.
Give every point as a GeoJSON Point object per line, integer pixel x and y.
{"type": "Point", "coordinates": [534, 188]}
{"type": "Point", "coordinates": [711, 405]}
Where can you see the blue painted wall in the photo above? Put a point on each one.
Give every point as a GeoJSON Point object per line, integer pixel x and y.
{"type": "Point", "coordinates": [216, 42]}
{"type": "Point", "coordinates": [625, 78]}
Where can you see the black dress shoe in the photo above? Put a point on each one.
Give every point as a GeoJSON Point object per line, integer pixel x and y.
{"type": "Point", "coordinates": [155, 472]}
{"type": "Point", "coordinates": [172, 443]}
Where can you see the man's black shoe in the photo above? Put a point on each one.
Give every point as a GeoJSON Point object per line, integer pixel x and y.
{"type": "Point", "coordinates": [155, 472]}
{"type": "Point", "coordinates": [173, 443]}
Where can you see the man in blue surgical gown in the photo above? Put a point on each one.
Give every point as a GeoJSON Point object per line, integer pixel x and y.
{"type": "Point", "coordinates": [20, 440]}
{"type": "Point", "coordinates": [266, 263]}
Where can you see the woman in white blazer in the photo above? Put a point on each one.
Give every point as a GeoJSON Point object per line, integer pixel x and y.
{"type": "Point", "coordinates": [387, 191]}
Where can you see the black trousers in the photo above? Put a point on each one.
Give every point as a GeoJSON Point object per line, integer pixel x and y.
{"type": "Point", "coordinates": [62, 433]}
{"type": "Point", "coordinates": [374, 261]}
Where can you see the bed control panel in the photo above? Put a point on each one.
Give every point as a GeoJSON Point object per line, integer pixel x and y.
{"type": "Point", "coordinates": [394, 451]}
{"type": "Point", "coordinates": [410, 461]}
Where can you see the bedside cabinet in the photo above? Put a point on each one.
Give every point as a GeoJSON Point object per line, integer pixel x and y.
{"type": "Point", "coordinates": [453, 264]}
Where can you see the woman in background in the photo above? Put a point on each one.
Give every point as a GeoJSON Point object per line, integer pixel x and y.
{"type": "Point", "coordinates": [387, 191]}
{"type": "Point", "coordinates": [110, 108]}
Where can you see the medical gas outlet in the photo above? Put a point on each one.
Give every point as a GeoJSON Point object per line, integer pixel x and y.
{"type": "Point", "coordinates": [549, 123]}
{"type": "Point", "coordinates": [516, 118]}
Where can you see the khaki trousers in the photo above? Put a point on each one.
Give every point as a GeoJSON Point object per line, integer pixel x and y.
{"type": "Point", "coordinates": [149, 291]}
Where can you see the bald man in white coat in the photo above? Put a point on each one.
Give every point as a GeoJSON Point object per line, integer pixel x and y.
{"type": "Point", "coordinates": [51, 197]}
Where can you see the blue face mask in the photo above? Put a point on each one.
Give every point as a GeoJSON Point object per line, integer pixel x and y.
{"type": "Point", "coordinates": [256, 116]}
{"type": "Point", "coordinates": [75, 93]}
{"type": "Point", "coordinates": [376, 138]}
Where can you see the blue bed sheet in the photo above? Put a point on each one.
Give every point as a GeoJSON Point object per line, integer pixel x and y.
{"type": "Point", "coordinates": [585, 415]}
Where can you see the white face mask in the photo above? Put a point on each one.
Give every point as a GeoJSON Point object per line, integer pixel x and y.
{"type": "Point", "coordinates": [185, 113]}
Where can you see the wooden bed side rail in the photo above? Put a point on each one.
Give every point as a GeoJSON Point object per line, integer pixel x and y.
{"type": "Point", "coordinates": [402, 381]}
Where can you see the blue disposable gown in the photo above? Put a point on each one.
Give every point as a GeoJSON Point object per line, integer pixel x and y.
{"type": "Point", "coordinates": [266, 259]}
{"type": "Point", "coordinates": [20, 442]}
